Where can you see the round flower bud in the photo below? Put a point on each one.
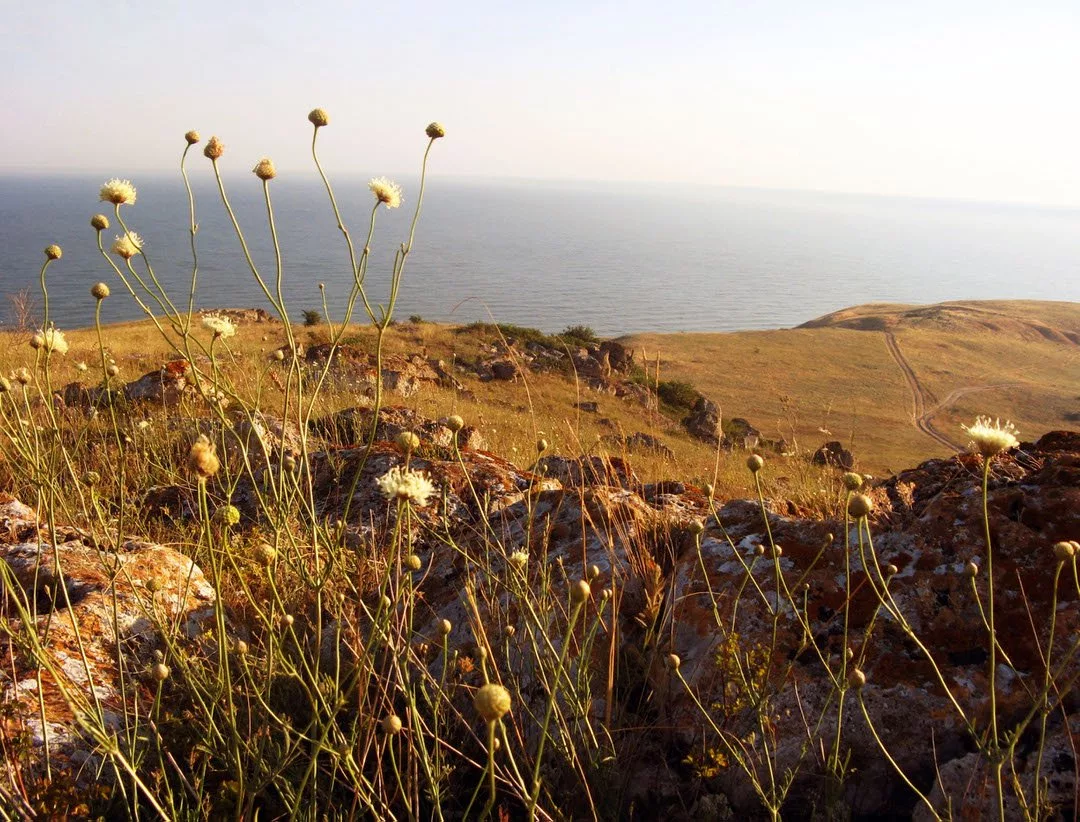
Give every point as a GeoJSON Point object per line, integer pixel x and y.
{"type": "Point", "coordinates": [444, 627]}
{"type": "Point", "coordinates": [860, 506]}
{"type": "Point", "coordinates": [319, 117]}
{"type": "Point", "coordinates": [391, 725]}
{"type": "Point", "coordinates": [5, 385]}
{"type": "Point", "coordinates": [288, 620]}
{"type": "Point", "coordinates": [1064, 551]}
{"type": "Point", "coordinates": [709, 489]}
{"type": "Point", "coordinates": [754, 463]}
{"type": "Point", "coordinates": [99, 291]}
{"type": "Point", "coordinates": [91, 478]}
{"type": "Point", "coordinates": [435, 131]}
{"type": "Point", "coordinates": [594, 572]}
{"type": "Point", "coordinates": [760, 550]}
{"type": "Point", "coordinates": [510, 630]}
{"type": "Point", "coordinates": [113, 370]}
{"type": "Point", "coordinates": [852, 481]}
{"type": "Point", "coordinates": [265, 554]}
{"type": "Point", "coordinates": [289, 461]}
{"type": "Point", "coordinates": [971, 570]}
{"type": "Point", "coordinates": [455, 423]}
{"type": "Point", "coordinates": [413, 563]}
{"type": "Point", "coordinates": [492, 702]}
{"type": "Point", "coordinates": [579, 592]}
{"type": "Point", "coordinates": [408, 441]}
{"type": "Point", "coordinates": [153, 585]}
{"type": "Point", "coordinates": [674, 662]}
{"type": "Point", "coordinates": [856, 679]}
{"type": "Point", "coordinates": [159, 671]}
{"type": "Point", "coordinates": [541, 445]}
{"type": "Point", "coordinates": [202, 458]}
{"type": "Point", "coordinates": [53, 252]}
{"type": "Point", "coordinates": [778, 551]}
{"type": "Point", "coordinates": [279, 355]}
{"type": "Point", "coordinates": [264, 169]}
{"type": "Point", "coordinates": [696, 527]}
{"type": "Point", "coordinates": [37, 340]}
{"type": "Point", "coordinates": [214, 148]}
{"type": "Point", "coordinates": [99, 222]}
{"type": "Point", "coordinates": [891, 570]}
{"type": "Point", "coordinates": [386, 603]}
{"type": "Point", "coordinates": [241, 647]}
{"type": "Point", "coordinates": [229, 514]}
{"type": "Point", "coordinates": [192, 137]}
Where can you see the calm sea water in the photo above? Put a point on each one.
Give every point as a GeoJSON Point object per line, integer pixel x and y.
{"type": "Point", "coordinates": [617, 257]}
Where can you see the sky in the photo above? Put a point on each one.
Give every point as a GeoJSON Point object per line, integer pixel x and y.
{"type": "Point", "coordinates": [942, 98]}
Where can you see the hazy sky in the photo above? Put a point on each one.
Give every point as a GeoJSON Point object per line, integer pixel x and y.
{"type": "Point", "coordinates": [975, 100]}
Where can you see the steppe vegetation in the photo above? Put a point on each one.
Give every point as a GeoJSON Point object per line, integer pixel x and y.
{"type": "Point", "coordinates": [336, 624]}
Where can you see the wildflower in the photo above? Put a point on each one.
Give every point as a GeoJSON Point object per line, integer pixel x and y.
{"type": "Point", "coordinates": [696, 527]}
{"type": "Point", "coordinates": [319, 117]}
{"type": "Point", "coordinates": [860, 506]}
{"type": "Point", "coordinates": [403, 484]}
{"type": "Point", "coordinates": [991, 438]}
{"type": "Point", "coordinates": [385, 191]}
{"type": "Point", "coordinates": [99, 291]}
{"type": "Point", "coordinates": [192, 137]}
{"type": "Point", "coordinates": [202, 458]}
{"type": "Point", "coordinates": [51, 339]}
{"type": "Point", "coordinates": [492, 701]}
{"type": "Point", "coordinates": [519, 559]}
{"type": "Point", "coordinates": [118, 192]}
{"type": "Point", "coordinates": [391, 725]}
{"type": "Point", "coordinates": [435, 131]}
{"type": "Point", "coordinates": [240, 647]}
{"type": "Point", "coordinates": [143, 425]}
{"type": "Point", "coordinates": [264, 169]}
{"type": "Point", "coordinates": [852, 481]}
{"type": "Point", "coordinates": [159, 671]}
{"type": "Point", "coordinates": [99, 222]}
{"type": "Point", "coordinates": [220, 325]}
{"type": "Point", "coordinates": [91, 478]}
{"type": "Point", "coordinates": [413, 562]}
{"type": "Point", "coordinates": [754, 463]}
{"type": "Point", "coordinates": [214, 149]}
{"type": "Point", "coordinates": [54, 252]}
{"type": "Point", "coordinates": [408, 441]}
{"type": "Point", "coordinates": [22, 376]}
{"type": "Point", "coordinates": [128, 245]}
{"type": "Point", "coordinates": [594, 572]}
{"type": "Point", "coordinates": [542, 445]}
{"type": "Point", "coordinates": [229, 514]}
{"type": "Point", "coordinates": [1064, 551]}
{"type": "Point", "coordinates": [265, 554]}
{"type": "Point", "coordinates": [856, 679]}
{"type": "Point", "coordinates": [579, 592]}
{"type": "Point", "coordinates": [279, 355]}
{"type": "Point", "coordinates": [455, 423]}
{"type": "Point", "coordinates": [113, 370]}
{"type": "Point", "coordinates": [444, 627]}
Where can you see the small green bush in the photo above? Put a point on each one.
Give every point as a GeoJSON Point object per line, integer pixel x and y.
{"type": "Point", "coordinates": [312, 317]}
{"type": "Point", "coordinates": [678, 394]}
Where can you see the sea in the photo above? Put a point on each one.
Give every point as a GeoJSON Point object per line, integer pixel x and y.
{"type": "Point", "coordinates": [617, 257]}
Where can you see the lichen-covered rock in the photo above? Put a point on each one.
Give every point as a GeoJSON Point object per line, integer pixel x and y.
{"type": "Point", "coordinates": [73, 611]}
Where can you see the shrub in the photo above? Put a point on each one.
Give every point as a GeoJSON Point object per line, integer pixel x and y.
{"type": "Point", "coordinates": [312, 317]}
{"type": "Point", "coordinates": [678, 394]}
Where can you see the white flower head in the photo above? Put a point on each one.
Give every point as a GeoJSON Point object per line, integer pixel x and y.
{"type": "Point", "coordinates": [127, 246]}
{"type": "Point", "coordinates": [519, 559]}
{"type": "Point", "coordinates": [221, 326]}
{"type": "Point", "coordinates": [401, 483]}
{"type": "Point", "coordinates": [81, 366]}
{"type": "Point", "coordinates": [385, 191]}
{"type": "Point", "coordinates": [990, 438]}
{"type": "Point", "coordinates": [52, 340]}
{"type": "Point", "coordinates": [118, 192]}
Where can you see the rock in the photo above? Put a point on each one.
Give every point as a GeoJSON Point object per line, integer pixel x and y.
{"type": "Point", "coordinates": [351, 365]}
{"type": "Point", "coordinates": [166, 386]}
{"type": "Point", "coordinates": [741, 434]}
{"type": "Point", "coordinates": [575, 472]}
{"type": "Point", "coordinates": [640, 442]}
{"type": "Point", "coordinates": [590, 407]}
{"type": "Point", "coordinates": [620, 359]}
{"type": "Point", "coordinates": [834, 455]}
{"type": "Point", "coordinates": [703, 423]}
{"type": "Point", "coordinates": [243, 316]}
{"type": "Point", "coordinates": [352, 426]}
{"type": "Point", "coordinates": [155, 589]}
{"type": "Point", "coordinates": [504, 370]}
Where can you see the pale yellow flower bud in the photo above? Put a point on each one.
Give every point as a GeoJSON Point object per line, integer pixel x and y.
{"type": "Point", "coordinates": [579, 592]}
{"type": "Point", "coordinates": [856, 679]}
{"type": "Point", "coordinates": [99, 291]}
{"type": "Point", "coordinates": [319, 117]}
{"type": "Point", "coordinates": [202, 458]}
{"type": "Point", "coordinates": [214, 148]}
{"type": "Point", "coordinates": [159, 671]}
{"type": "Point", "coordinates": [852, 481]}
{"type": "Point", "coordinates": [192, 137]}
{"type": "Point", "coordinates": [408, 441]}
{"type": "Point", "coordinates": [455, 423]}
{"type": "Point", "coordinates": [264, 169]}
{"type": "Point", "coordinates": [391, 725]}
{"type": "Point", "coordinates": [99, 222]}
{"type": "Point", "coordinates": [53, 252]}
{"type": "Point", "coordinates": [860, 506]}
{"type": "Point", "coordinates": [492, 702]}
{"type": "Point", "coordinates": [1064, 551]}
{"type": "Point", "coordinates": [754, 463]}
{"type": "Point", "coordinates": [435, 131]}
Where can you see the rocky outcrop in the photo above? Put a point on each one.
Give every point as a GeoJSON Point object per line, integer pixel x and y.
{"type": "Point", "coordinates": [66, 587]}
{"type": "Point", "coordinates": [834, 455]}
{"type": "Point", "coordinates": [350, 364]}
{"type": "Point", "coordinates": [352, 426]}
{"type": "Point", "coordinates": [703, 423]}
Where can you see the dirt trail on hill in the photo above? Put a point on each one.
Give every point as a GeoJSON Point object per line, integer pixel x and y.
{"type": "Point", "coordinates": [922, 398]}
